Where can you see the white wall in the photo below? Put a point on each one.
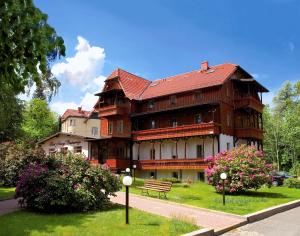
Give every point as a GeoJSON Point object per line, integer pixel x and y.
{"type": "Point", "coordinates": [224, 139]}
{"type": "Point", "coordinates": [65, 141]}
{"type": "Point", "coordinates": [82, 126]}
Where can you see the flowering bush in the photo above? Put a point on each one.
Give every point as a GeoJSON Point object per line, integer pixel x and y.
{"type": "Point", "coordinates": [65, 183]}
{"type": "Point", "coordinates": [246, 168]}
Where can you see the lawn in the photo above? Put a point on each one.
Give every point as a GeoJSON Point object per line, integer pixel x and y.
{"type": "Point", "coordinates": [6, 192]}
{"type": "Point", "coordinates": [109, 222]}
{"type": "Point", "coordinates": [203, 195]}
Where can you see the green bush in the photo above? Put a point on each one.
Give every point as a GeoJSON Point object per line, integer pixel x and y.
{"type": "Point", "coordinates": [292, 183]}
{"type": "Point", "coordinates": [65, 183]}
{"type": "Point", "coordinates": [295, 170]}
{"type": "Point", "coordinates": [13, 158]}
{"type": "Point", "coordinates": [172, 180]}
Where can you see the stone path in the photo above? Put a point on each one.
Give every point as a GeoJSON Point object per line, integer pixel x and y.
{"type": "Point", "coordinates": [201, 217]}
{"type": "Point", "coordinates": [286, 223]}
{"type": "Point", "coordinates": [7, 206]}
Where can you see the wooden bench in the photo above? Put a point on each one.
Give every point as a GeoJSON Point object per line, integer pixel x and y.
{"type": "Point", "coordinates": [157, 186]}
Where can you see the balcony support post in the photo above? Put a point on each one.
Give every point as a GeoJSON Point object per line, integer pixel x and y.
{"type": "Point", "coordinates": [185, 140]}
{"type": "Point", "coordinates": [213, 145]}
{"type": "Point", "coordinates": [218, 139]}
{"type": "Point", "coordinates": [138, 155]}
{"type": "Point", "coordinates": [160, 149]}
{"type": "Point", "coordinates": [176, 141]}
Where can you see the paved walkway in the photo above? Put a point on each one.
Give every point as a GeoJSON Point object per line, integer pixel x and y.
{"type": "Point", "coordinates": [7, 206]}
{"type": "Point", "coordinates": [286, 223]}
{"type": "Point", "coordinates": [199, 216]}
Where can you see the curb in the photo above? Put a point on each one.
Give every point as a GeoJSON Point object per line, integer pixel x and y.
{"type": "Point", "coordinates": [259, 215]}
{"type": "Point", "coordinates": [201, 232]}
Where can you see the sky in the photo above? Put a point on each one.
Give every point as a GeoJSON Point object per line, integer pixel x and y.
{"type": "Point", "coordinates": [160, 38]}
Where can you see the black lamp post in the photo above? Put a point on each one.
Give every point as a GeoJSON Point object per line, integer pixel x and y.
{"type": "Point", "coordinates": [127, 181]}
{"type": "Point", "coordinates": [134, 167]}
{"type": "Point", "coordinates": [223, 177]}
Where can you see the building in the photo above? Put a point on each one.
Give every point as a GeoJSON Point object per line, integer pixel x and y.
{"type": "Point", "coordinates": [168, 126]}
{"type": "Point", "coordinates": [77, 128]}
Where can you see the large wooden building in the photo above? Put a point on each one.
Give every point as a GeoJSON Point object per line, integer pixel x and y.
{"type": "Point", "coordinates": [168, 126]}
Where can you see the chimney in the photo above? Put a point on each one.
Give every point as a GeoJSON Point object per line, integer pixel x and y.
{"type": "Point", "coordinates": [79, 109]}
{"type": "Point", "coordinates": [204, 66]}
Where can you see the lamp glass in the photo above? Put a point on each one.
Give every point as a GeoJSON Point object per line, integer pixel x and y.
{"type": "Point", "coordinates": [134, 166]}
{"type": "Point", "coordinates": [127, 170]}
{"type": "Point", "coordinates": [127, 180]}
{"type": "Point", "coordinates": [223, 176]}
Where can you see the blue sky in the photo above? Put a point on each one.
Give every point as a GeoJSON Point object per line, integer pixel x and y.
{"type": "Point", "coordinates": [155, 39]}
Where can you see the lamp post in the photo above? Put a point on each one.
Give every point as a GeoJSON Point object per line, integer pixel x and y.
{"type": "Point", "coordinates": [127, 181]}
{"type": "Point", "coordinates": [134, 167]}
{"type": "Point", "coordinates": [223, 177]}
{"type": "Point", "coordinates": [127, 170]}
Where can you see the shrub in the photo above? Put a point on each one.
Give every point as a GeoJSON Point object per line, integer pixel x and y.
{"type": "Point", "coordinates": [172, 180]}
{"type": "Point", "coordinates": [65, 183]}
{"type": "Point", "coordinates": [245, 167]}
{"type": "Point", "coordinates": [295, 170]}
{"type": "Point", "coordinates": [13, 158]}
{"type": "Point", "coordinates": [292, 183]}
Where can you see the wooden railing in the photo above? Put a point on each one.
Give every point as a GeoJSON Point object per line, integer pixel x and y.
{"type": "Point", "coordinates": [171, 164]}
{"type": "Point", "coordinates": [112, 110]}
{"type": "Point", "coordinates": [177, 132]}
{"type": "Point", "coordinates": [250, 102]}
{"type": "Point", "coordinates": [249, 133]}
{"type": "Point", "coordinates": [118, 163]}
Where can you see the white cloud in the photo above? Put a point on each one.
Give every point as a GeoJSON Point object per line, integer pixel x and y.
{"type": "Point", "coordinates": [28, 93]}
{"type": "Point", "coordinates": [291, 47]}
{"type": "Point", "coordinates": [80, 70]}
{"type": "Point", "coordinates": [61, 107]}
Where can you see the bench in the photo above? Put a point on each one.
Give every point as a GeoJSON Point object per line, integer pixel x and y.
{"type": "Point", "coordinates": [158, 186]}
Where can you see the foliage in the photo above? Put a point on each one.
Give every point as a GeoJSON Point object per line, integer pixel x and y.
{"type": "Point", "coordinates": [63, 183]}
{"type": "Point", "coordinates": [13, 158]}
{"type": "Point", "coordinates": [28, 47]}
{"type": "Point", "coordinates": [6, 192]}
{"type": "Point", "coordinates": [39, 121]}
{"type": "Point", "coordinates": [292, 183]}
{"type": "Point", "coordinates": [245, 167]}
{"type": "Point", "coordinates": [295, 170]}
{"type": "Point", "coordinates": [282, 127]}
{"type": "Point", "coordinates": [172, 180]}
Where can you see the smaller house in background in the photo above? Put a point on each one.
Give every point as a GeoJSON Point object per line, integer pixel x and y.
{"type": "Point", "coordinates": [77, 127]}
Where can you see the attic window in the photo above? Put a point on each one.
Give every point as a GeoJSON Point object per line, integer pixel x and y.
{"type": "Point", "coordinates": [210, 71]}
{"type": "Point", "coordinates": [151, 104]}
{"type": "Point", "coordinates": [153, 84]}
{"type": "Point", "coordinates": [173, 99]}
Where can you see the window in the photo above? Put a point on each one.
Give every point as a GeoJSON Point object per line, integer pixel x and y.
{"type": "Point", "coordinates": [198, 96]}
{"type": "Point", "coordinates": [199, 151]}
{"type": "Point", "coordinates": [198, 119]}
{"type": "Point", "coordinates": [78, 149]}
{"type": "Point", "coordinates": [152, 154]}
{"type": "Point", "coordinates": [120, 152]}
{"type": "Point", "coordinates": [151, 104]}
{"type": "Point", "coordinates": [201, 176]}
{"type": "Point", "coordinates": [152, 174]}
{"type": "Point", "coordinates": [94, 131]}
{"type": "Point", "coordinates": [228, 146]}
{"type": "Point", "coordinates": [72, 122]}
{"type": "Point", "coordinates": [152, 124]}
{"type": "Point", "coordinates": [228, 119]}
{"type": "Point", "coordinates": [64, 150]}
{"type": "Point", "coordinates": [110, 127]}
{"type": "Point", "coordinates": [173, 99]}
{"type": "Point", "coordinates": [174, 122]}
{"type": "Point", "coordinates": [120, 126]}
{"type": "Point", "coordinates": [175, 175]}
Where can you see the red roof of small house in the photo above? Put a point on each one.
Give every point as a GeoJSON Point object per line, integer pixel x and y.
{"type": "Point", "coordinates": [131, 84]}
{"type": "Point", "coordinates": [75, 113]}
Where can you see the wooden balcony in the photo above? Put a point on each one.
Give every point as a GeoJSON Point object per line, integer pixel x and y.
{"type": "Point", "coordinates": [177, 132]}
{"type": "Point", "coordinates": [249, 133]}
{"type": "Point", "coordinates": [112, 110]}
{"type": "Point", "coordinates": [118, 163]}
{"type": "Point", "coordinates": [171, 164]}
{"type": "Point", "coordinates": [249, 102]}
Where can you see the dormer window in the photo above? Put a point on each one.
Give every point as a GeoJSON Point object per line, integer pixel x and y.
{"type": "Point", "coordinates": [151, 104]}
{"type": "Point", "coordinates": [173, 99]}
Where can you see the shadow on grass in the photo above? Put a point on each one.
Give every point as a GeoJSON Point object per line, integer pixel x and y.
{"type": "Point", "coordinates": [264, 194]}
{"type": "Point", "coordinates": [27, 222]}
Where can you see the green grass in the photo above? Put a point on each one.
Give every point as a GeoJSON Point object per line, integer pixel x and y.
{"type": "Point", "coordinates": [109, 222]}
{"type": "Point", "coordinates": [6, 193]}
{"type": "Point", "coordinates": [203, 195]}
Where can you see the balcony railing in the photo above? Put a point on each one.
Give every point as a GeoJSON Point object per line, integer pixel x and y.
{"type": "Point", "coordinates": [249, 133]}
{"type": "Point", "coordinates": [177, 132]}
{"type": "Point", "coordinates": [118, 163]}
{"type": "Point", "coordinates": [112, 110]}
{"type": "Point", "coordinates": [250, 102]}
{"type": "Point", "coordinates": [171, 164]}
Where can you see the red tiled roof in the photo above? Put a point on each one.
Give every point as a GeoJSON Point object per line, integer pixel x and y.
{"type": "Point", "coordinates": [215, 75]}
{"type": "Point", "coordinates": [131, 84]}
{"type": "Point", "coordinates": [75, 113]}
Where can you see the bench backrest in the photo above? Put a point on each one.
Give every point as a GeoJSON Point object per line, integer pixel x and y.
{"type": "Point", "coordinates": [158, 185]}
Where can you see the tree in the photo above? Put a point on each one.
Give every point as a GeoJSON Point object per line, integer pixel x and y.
{"type": "Point", "coordinates": [39, 121]}
{"type": "Point", "coordinates": [28, 47]}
